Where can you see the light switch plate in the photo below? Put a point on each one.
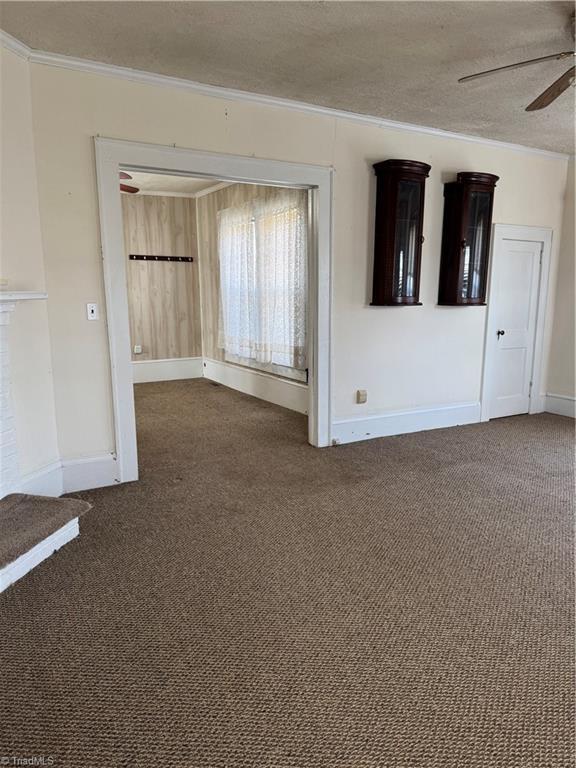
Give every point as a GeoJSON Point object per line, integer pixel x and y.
{"type": "Point", "coordinates": [361, 396]}
{"type": "Point", "coordinates": [92, 312]}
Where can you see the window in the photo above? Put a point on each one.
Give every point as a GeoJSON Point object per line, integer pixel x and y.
{"type": "Point", "coordinates": [262, 248]}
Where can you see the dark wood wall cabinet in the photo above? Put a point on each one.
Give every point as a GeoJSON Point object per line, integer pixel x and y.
{"type": "Point", "coordinates": [398, 237]}
{"type": "Point", "coordinates": [466, 239]}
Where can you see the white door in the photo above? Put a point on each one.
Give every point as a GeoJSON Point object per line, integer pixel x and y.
{"type": "Point", "coordinates": [512, 328]}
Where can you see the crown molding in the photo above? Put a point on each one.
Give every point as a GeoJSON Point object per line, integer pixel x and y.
{"type": "Point", "coordinates": [174, 193]}
{"type": "Point", "coordinates": [231, 94]}
{"type": "Point", "coordinates": [215, 188]}
{"type": "Point", "coordinates": [159, 193]}
{"type": "Point", "coordinates": [12, 44]}
{"type": "Point", "coordinates": [10, 296]}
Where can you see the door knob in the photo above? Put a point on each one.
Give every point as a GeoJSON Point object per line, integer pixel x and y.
{"type": "Point", "coordinates": [500, 333]}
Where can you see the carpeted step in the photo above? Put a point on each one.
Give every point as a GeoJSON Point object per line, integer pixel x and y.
{"type": "Point", "coordinates": [26, 521]}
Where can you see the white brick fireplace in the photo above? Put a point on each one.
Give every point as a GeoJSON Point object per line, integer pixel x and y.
{"type": "Point", "coordinates": [9, 468]}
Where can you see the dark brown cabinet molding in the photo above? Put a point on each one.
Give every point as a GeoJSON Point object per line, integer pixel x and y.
{"type": "Point", "coordinates": [398, 238]}
{"type": "Point", "coordinates": [466, 231]}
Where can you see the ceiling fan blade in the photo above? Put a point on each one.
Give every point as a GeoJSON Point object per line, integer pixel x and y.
{"type": "Point", "coordinates": [553, 91]}
{"type": "Point", "coordinates": [124, 175]}
{"type": "Point", "coordinates": [527, 63]}
{"type": "Point", "coordinates": [127, 188]}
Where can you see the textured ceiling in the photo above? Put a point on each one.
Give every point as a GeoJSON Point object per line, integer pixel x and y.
{"type": "Point", "coordinates": [398, 60]}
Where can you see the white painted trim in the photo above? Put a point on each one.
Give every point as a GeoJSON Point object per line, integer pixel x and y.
{"type": "Point", "coordinates": [11, 296]}
{"type": "Point", "coordinates": [285, 392]}
{"type": "Point", "coordinates": [161, 193]}
{"type": "Point", "coordinates": [67, 476]}
{"type": "Point", "coordinates": [192, 195]}
{"type": "Point", "coordinates": [89, 472]}
{"type": "Point", "coordinates": [213, 188]}
{"type": "Point", "coordinates": [230, 94]}
{"type": "Point", "coordinates": [41, 551]}
{"type": "Point", "coordinates": [112, 154]}
{"type": "Point", "coordinates": [274, 369]}
{"type": "Point", "coordinates": [500, 233]}
{"type": "Point", "coordinates": [118, 325]}
{"type": "Point", "coordinates": [403, 422]}
{"type": "Point", "coordinates": [563, 405]}
{"type": "Point", "coordinates": [46, 481]}
{"type": "Point", "coordinates": [15, 46]}
{"type": "Point", "coordinates": [167, 370]}
{"type": "Point", "coordinates": [319, 312]}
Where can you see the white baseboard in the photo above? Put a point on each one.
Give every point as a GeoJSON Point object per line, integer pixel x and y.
{"type": "Point", "coordinates": [563, 405]}
{"type": "Point", "coordinates": [402, 422]}
{"type": "Point", "coordinates": [46, 481]}
{"type": "Point", "coordinates": [89, 472]}
{"type": "Point", "coordinates": [67, 476]}
{"type": "Point", "coordinates": [23, 564]}
{"type": "Point", "coordinates": [289, 394]}
{"type": "Point", "coordinates": [167, 370]}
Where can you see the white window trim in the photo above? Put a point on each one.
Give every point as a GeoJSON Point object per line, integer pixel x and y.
{"type": "Point", "coordinates": [111, 155]}
{"type": "Point", "coordinates": [274, 368]}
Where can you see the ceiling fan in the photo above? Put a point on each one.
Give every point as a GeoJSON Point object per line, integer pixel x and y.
{"type": "Point", "coordinates": [126, 187]}
{"type": "Point", "coordinates": [553, 91]}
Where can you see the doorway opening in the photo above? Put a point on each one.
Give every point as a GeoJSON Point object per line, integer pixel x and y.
{"type": "Point", "coordinates": [217, 284]}
{"type": "Point", "coordinates": [217, 267]}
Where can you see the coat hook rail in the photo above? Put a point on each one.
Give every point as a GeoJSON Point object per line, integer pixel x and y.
{"type": "Point", "coordinates": [140, 257]}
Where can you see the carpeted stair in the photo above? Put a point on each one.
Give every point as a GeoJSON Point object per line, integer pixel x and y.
{"type": "Point", "coordinates": [26, 521]}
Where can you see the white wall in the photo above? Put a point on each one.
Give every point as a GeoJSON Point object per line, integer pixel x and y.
{"type": "Point", "coordinates": [561, 370]}
{"type": "Point", "coordinates": [405, 357]}
{"type": "Point", "coordinates": [410, 357]}
{"type": "Point", "coordinates": [21, 263]}
{"type": "Point", "coordinates": [70, 109]}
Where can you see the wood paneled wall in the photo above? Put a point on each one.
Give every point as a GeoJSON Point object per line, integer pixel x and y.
{"type": "Point", "coordinates": [207, 208]}
{"type": "Point", "coordinates": [163, 297]}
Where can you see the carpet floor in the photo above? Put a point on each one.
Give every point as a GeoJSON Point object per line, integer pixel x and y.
{"type": "Point", "coordinates": [254, 602]}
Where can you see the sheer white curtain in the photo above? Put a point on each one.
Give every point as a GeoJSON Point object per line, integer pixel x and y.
{"type": "Point", "coordinates": [262, 247]}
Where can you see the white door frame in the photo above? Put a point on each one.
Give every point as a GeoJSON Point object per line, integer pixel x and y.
{"type": "Point", "coordinates": [500, 233]}
{"type": "Point", "coordinates": [111, 154]}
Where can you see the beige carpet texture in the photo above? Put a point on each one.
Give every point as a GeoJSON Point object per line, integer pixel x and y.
{"type": "Point", "coordinates": [253, 602]}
